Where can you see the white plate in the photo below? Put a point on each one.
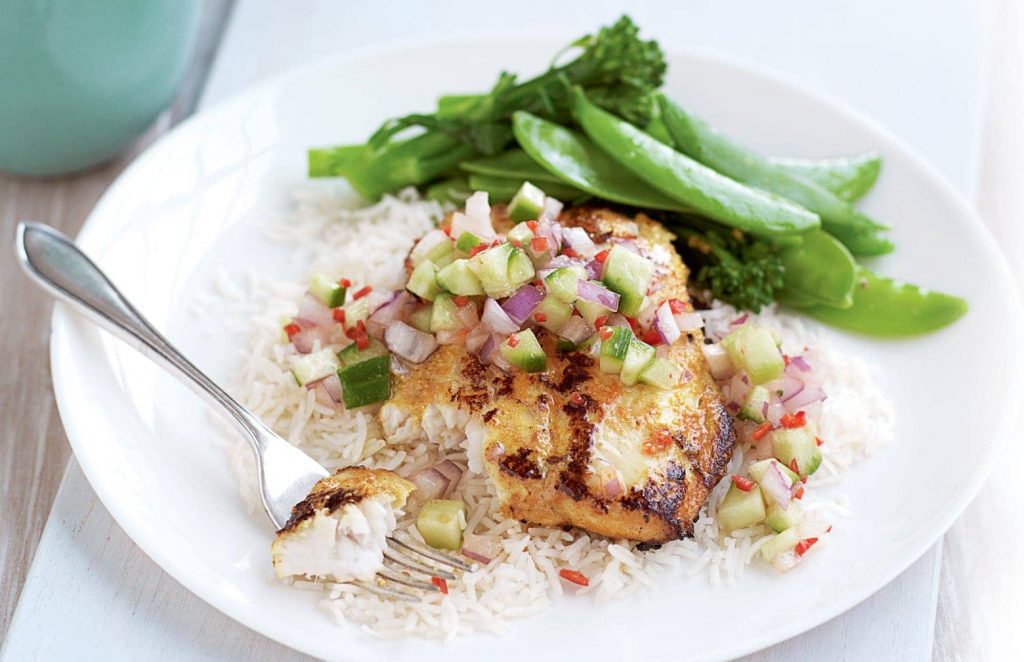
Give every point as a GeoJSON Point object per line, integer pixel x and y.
{"type": "Point", "coordinates": [190, 207]}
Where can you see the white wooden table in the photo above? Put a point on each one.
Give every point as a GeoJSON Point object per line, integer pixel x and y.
{"type": "Point", "coordinates": [920, 68]}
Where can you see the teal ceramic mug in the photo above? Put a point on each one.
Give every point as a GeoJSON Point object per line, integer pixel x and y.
{"type": "Point", "coordinates": [81, 79]}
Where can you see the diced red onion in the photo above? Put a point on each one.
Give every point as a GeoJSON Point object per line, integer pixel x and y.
{"type": "Point", "coordinates": [476, 338]}
{"type": "Point", "coordinates": [596, 293]}
{"type": "Point", "coordinates": [522, 303]}
{"type": "Point", "coordinates": [739, 320]}
{"type": "Point", "coordinates": [576, 330]}
{"type": "Point", "coordinates": [645, 318]}
{"type": "Point", "coordinates": [451, 336]}
{"type": "Point", "coordinates": [718, 361]}
{"type": "Point", "coordinates": [615, 319]}
{"type": "Point", "coordinates": [409, 343]}
{"type": "Point", "coordinates": [430, 484]}
{"type": "Point", "coordinates": [323, 397]}
{"type": "Point", "coordinates": [777, 485]}
{"type": "Point", "coordinates": [785, 387]}
{"type": "Point", "coordinates": [786, 561]}
{"type": "Point", "coordinates": [429, 242]}
{"type": "Point", "coordinates": [579, 241]}
{"type": "Point", "coordinates": [479, 549]}
{"type": "Point", "coordinates": [775, 410]}
{"type": "Point", "coordinates": [560, 261]}
{"type": "Point", "coordinates": [665, 323]}
{"type": "Point", "coordinates": [452, 472]}
{"type": "Point", "coordinates": [552, 208]}
{"type": "Point", "coordinates": [333, 386]}
{"type": "Point", "coordinates": [309, 337]}
{"type": "Point", "coordinates": [396, 307]}
{"type": "Point", "coordinates": [595, 269]}
{"type": "Point", "coordinates": [500, 361]}
{"type": "Point", "coordinates": [688, 322]}
{"type": "Point", "coordinates": [736, 389]}
{"type": "Point", "coordinates": [488, 347]}
{"type": "Point", "coordinates": [800, 363]}
{"type": "Point", "coordinates": [613, 488]}
{"type": "Point", "coordinates": [628, 244]}
{"type": "Point", "coordinates": [476, 219]}
{"type": "Point", "coordinates": [551, 232]}
{"type": "Point", "coordinates": [809, 395]}
{"type": "Point", "coordinates": [313, 312]}
{"type": "Point", "coordinates": [467, 315]}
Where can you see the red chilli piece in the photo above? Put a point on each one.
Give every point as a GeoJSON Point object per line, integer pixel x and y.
{"type": "Point", "coordinates": [602, 256]}
{"type": "Point", "coordinates": [797, 420]}
{"type": "Point", "coordinates": [799, 494]}
{"type": "Point", "coordinates": [292, 329]}
{"type": "Point", "coordinates": [676, 306]}
{"type": "Point", "coordinates": [447, 230]}
{"type": "Point", "coordinates": [742, 483]}
{"type": "Point", "coordinates": [761, 431]}
{"type": "Point", "coordinates": [574, 576]}
{"type": "Point", "coordinates": [540, 317]}
{"type": "Point", "coordinates": [606, 333]}
{"type": "Point", "coordinates": [651, 337]}
{"type": "Point", "coordinates": [479, 248]}
{"type": "Point", "coordinates": [568, 252]}
{"type": "Point", "coordinates": [794, 467]}
{"type": "Point", "coordinates": [441, 584]}
{"type": "Point", "coordinates": [512, 341]}
{"type": "Point", "coordinates": [539, 244]}
{"type": "Point", "coordinates": [460, 300]}
{"type": "Point", "coordinates": [362, 293]}
{"type": "Point", "coordinates": [345, 282]}
{"type": "Point", "coordinates": [516, 243]}
{"type": "Point", "coordinates": [633, 324]}
{"type": "Point", "coordinates": [339, 315]}
{"type": "Point", "coordinates": [532, 225]}
{"type": "Point", "coordinates": [818, 441]}
{"type": "Point", "coordinates": [601, 321]}
{"type": "Point", "coordinates": [804, 545]}
{"type": "Point", "coordinates": [785, 359]}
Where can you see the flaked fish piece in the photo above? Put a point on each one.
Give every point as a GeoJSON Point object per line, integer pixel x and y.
{"type": "Point", "coordinates": [340, 530]}
{"type": "Point", "coordinates": [572, 445]}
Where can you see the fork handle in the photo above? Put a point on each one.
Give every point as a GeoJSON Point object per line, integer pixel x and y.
{"type": "Point", "coordinates": [55, 263]}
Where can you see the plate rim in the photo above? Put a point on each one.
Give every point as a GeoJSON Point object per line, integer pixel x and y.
{"type": "Point", "coordinates": [63, 322]}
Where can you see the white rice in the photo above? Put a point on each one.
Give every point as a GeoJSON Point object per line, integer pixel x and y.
{"type": "Point", "coordinates": [855, 420]}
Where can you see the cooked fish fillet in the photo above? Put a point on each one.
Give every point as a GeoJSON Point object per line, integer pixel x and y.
{"type": "Point", "coordinates": [571, 445]}
{"type": "Point", "coordinates": [339, 531]}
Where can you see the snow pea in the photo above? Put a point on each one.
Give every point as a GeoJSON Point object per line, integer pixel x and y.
{"type": "Point", "coordinates": [576, 161]}
{"type": "Point", "coordinates": [454, 190]}
{"type": "Point", "coordinates": [691, 183]}
{"type": "Point", "coordinates": [513, 163]}
{"type": "Point", "coordinates": [697, 139]}
{"type": "Point", "coordinates": [847, 177]}
{"type": "Point", "coordinates": [887, 308]}
{"type": "Point", "coordinates": [329, 161]}
{"type": "Point", "coordinates": [502, 189]}
{"type": "Point", "coordinates": [820, 271]}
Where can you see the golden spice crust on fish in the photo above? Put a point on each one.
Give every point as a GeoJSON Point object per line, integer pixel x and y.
{"type": "Point", "coordinates": [349, 485]}
{"type": "Point", "coordinates": [558, 444]}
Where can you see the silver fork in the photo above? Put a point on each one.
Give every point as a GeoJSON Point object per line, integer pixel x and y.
{"type": "Point", "coordinates": [286, 474]}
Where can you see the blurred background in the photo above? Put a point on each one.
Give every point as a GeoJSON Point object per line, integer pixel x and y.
{"type": "Point", "coordinates": [86, 86]}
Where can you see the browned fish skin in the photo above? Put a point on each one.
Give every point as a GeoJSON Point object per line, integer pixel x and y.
{"type": "Point", "coordinates": [555, 439]}
{"type": "Point", "coordinates": [349, 485]}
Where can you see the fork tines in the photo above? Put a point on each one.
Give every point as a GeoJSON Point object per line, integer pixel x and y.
{"type": "Point", "coordinates": [415, 565]}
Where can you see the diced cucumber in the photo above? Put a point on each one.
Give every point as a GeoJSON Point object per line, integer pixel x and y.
{"type": "Point", "coordinates": [458, 278]}
{"type": "Point", "coordinates": [356, 311]}
{"type": "Point", "coordinates": [638, 356]}
{"type": "Point", "coordinates": [327, 290]}
{"type": "Point", "coordinates": [798, 444]}
{"type": "Point", "coordinates": [520, 269]}
{"type": "Point", "coordinates": [740, 509]}
{"type": "Point", "coordinates": [566, 345]}
{"type": "Point", "coordinates": [443, 315]}
{"type": "Point", "coordinates": [423, 281]}
{"type": "Point", "coordinates": [442, 254]}
{"type": "Point", "coordinates": [352, 354]}
{"type": "Point", "coordinates": [364, 374]}
{"type": "Point", "coordinates": [614, 349]}
{"type": "Point", "coordinates": [467, 242]}
{"type": "Point", "coordinates": [590, 310]}
{"type": "Point", "coordinates": [525, 352]}
{"type": "Point", "coordinates": [315, 366]}
{"type": "Point", "coordinates": [564, 282]}
{"type": "Point", "coordinates": [491, 267]}
{"type": "Point", "coordinates": [368, 369]}
{"type": "Point", "coordinates": [778, 520]}
{"type": "Point", "coordinates": [756, 405]}
{"type": "Point", "coordinates": [420, 318]}
{"type": "Point", "coordinates": [441, 522]}
{"type": "Point", "coordinates": [757, 470]}
{"type": "Point", "coordinates": [527, 203]}
{"type": "Point", "coordinates": [780, 543]}
{"type": "Point", "coordinates": [367, 392]}
{"type": "Point", "coordinates": [753, 349]}
{"type": "Point", "coordinates": [554, 312]}
{"type": "Point", "coordinates": [629, 275]}
{"type": "Point", "coordinates": [520, 234]}
{"type": "Point", "coordinates": [661, 373]}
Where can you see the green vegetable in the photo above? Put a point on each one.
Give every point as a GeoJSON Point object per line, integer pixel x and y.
{"type": "Point", "coordinates": [564, 282]}
{"type": "Point", "coordinates": [523, 350]}
{"type": "Point", "coordinates": [848, 177]}
{"type": "Point", "coordinates": [458, 278]}
{"type": "Point", "coordinates": [695, 185]}
{"type": "Point", "coordinates": [780, 544]}
{"type": "Point", "coordinates": [442, 317]}
{"type": "Point", "coordinates": [526, 204]}
{"type": "Point", "coordinates": [554, 312]}
{"type": "Point", "coordinates": [799, 445]}
{"type": "Point", "coordinates": [441, 522]}
{"type": "Point", "coordinates": [778, 520]}
{"type": "Point", "coordinates": [629, 275]}
{"type": "Point", "coordinates": [590, 311]}
{"type": "Point", "coordinates": [753, 408]}
{"type": "Point", "coordinates": [329, 161]}
{"type": "Point", "coordinates": [503, 189]}
{"type": "Point", "coordinates": [883, 307]}
{"type": "Point", "coordinates": [740, 509]}
{"type": "Point", "coordinates": [757, 470]}
{"type": "Point", "coordinates": [695, 138]}
{"type": "Point", "coordinates": [502, 269]}
{"type": "Point", "coordinates": [364, 375]}
{"type": "Point", "coordinates": [452, 191]}
{"type": "Point", "coordinates": [639, 355]}
{"type": "Point", "coordinates": [420, 318]}
{"type": "Point", "coordinates": [820, 270]}
{"type": "Point", "coordinates": [661, 373]}
{"type": "Point", "coordinates": [512, 164]}
{"type": "Point", "coordinates": [753, 349]}
{"type": "Point", "coordinates": [314, 367]}
{"type": "Point", "coordinates": [615, 67]}
{"type": "Point", "coordinates": [743, 271]}
{"type": "Point", "coordinates": [423, 281]}
{"type": "Point", "coordinates": [576, 161]}
{"type": "Point", "coordinates": [614, 349]}
{"type": "Point", "coordinates": [327, 290]}
{"type": "Point", "coordinates": [356, 311]}
{"type": "Point", "coordinates": [467, 242]}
